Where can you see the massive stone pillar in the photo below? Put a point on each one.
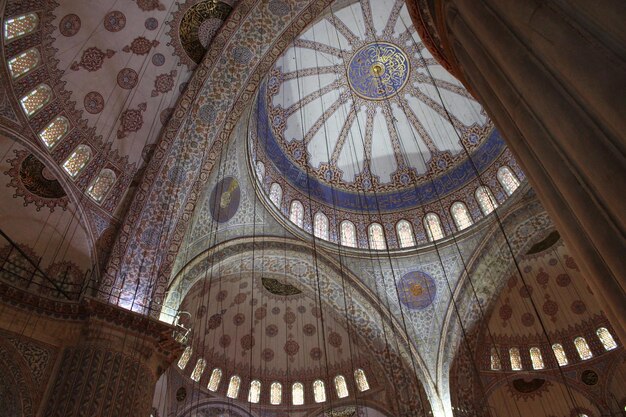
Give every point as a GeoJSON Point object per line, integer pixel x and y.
{"type": "Point", "coordinates": [108, 359]}
{"type": "Point", "coordinates": [552, 75]}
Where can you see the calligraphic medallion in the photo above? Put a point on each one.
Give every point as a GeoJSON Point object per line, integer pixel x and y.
{"type": "Point", "coordinates": [417, 290]}
{"type": "Point", "coordinates": [378, 71]}
{"type": "Point", "coordinates": [224, 199]}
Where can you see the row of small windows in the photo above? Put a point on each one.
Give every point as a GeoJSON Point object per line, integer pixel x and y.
{"type": "Point", "coordinates": [406, 238]}
{"type": "Point", "coordinates": [56, 130]}
{"type": "Point", "coordinates": [582, 347]}
{"type": "Point", "coordinates": [276, 388]}
{"type": "Point", "coordinates": [41, 95]}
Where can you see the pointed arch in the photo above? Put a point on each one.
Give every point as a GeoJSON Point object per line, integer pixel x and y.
{"type": "Point", "coordinates": [507, 179]}
{"type": "Point", "coordinates": [486, 200]}
{"type": "Point", "coordinates": [348, 234]}
{"type": "Point", "coordinates": [432, 225]}
{"type": "Point", "coordinates": [461, 215]}
{"type": "Point", "coordinates": [36, 99]}
{"type": "Point", "coordinates": [24, 62]}
{"type": "Point", "coordinates": [320, 226]}
{"type": "Point", "coordinates": [101, 186]}
{"type": "Point", "coordinates": [77, 160]}
{"type": "Point", "coordinates": [406, 237]}
{"type": "Point", "coordinates": [296, 213]}
{"type": "Point", "coordinates": [376, 235]}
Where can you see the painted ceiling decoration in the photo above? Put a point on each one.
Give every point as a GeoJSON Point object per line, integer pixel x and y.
{"type": "Point", "coordinates": [357, 119]}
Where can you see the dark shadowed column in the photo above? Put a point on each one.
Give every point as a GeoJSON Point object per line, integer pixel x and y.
{"type": "Point", "coordinates": [552, 75]}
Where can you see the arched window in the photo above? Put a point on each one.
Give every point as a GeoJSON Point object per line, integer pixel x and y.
{"type": "Point", "coordinates": [54, 132]}
{"type": "Point", "coordinates": [297, 393]}
{"type": "Point", "coordinates": [101, 185]}
{"type": "Point", "coordinates": [486, 200]}
{"type": "Point", "coordinates": [432, 224]}
{"type": "Point", "coordinates": [36, 99]}
{"type": "Point", "coordinates": [341, 386]}
{"type": "Point", "coordinates": [495, 359]}
{"type": "Point", "coordinates": [320, 225]}
{"type": "Point", "coordinates": [184, 358]}
{"type": "Point", "coordinates": [254, 395]}
{"type": "Point", "coordinates": [233, 387]}
{"type": "Point", "coordinates": [214, 380]}
{"type": "Point", "coordinates": [606, 338]}
{"type": "Point", "coordinates": [406, 239]}
{"type": "Point", "coordinates": [296, 213]}
{"type": "Point", "coordinates": [516, 360]}
{"type": "Point", "coordinates": [583, 348]}
{"type": "Point", "coordinates": [559, 354]}
{"type": "Point", "coordinates": [461, 215]}
{"type": "Point", "coordinates": [507, 179]}
{"type": "Point", "coordinates": [260, 170]}
{"type": "Point", "coordinates": [319, 391]}
{"type": "Point", "coordinates": [77, 160]}
{"type": "Point", "coordinates": [276, 194]}
{"type": "Point", "coordinates": [197, 371]}
{"type": "Point", "coordinates": [348, 234]}
{"type": "Point", "coordinates": [536, 358]}
{"type": "Point", "coordinates": [376, 236]}
{"type": "Point", "coordinates": [15, 27]}
{"type": "Point", "coordinates": [361, 380]}
{"type": "Point", "coordinates": [24, 62]}
{"type": "Point", "coordinates": [276, 393]}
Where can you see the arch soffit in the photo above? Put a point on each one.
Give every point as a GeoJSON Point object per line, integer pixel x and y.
{"type": "Point", "coordinates": [486, 255]}
{"type": "Point", "coordinates": [186, 126]}
{"type": "Point", "coordinates": [362, 302]}
{"type": "Point", "coordinates": [74, 196]}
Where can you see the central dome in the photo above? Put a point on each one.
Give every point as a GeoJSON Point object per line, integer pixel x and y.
{"type": "Point", "coordinates": [358, 121]}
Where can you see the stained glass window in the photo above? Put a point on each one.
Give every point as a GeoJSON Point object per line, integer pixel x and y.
{"type": "Point", "coordinates": [197, 371]}
{"type": "Point", "coordinates": [583, 348]}
{"type": "Point", "coordinates": [536, 358]}
{"type": "Point", "coordinates": [361, 380]}
{"type": "Point", "coordinates": [296, 213]}
{"type": "Point", "coordinates": [376, 236]}
{"type": "Point", "coordinates": [101, 185]}
{"type": "Point", "coordinates": [341, 386]}
{"type": "Point", "coordinates": [19, 26]}
{"type": "Point", "coordinates": [559, 354]}
{"type": "Point", "coordinates": [36, 99]}
{"type": "Point", "coordinates": [233, 387]}
{"type": "Point", "coordinates": [297, 393]}
{"type": "Point", "coordinates": [214, 380]}
{"type": "Point", "coordinates": [260, 170]}
{"type": "Point", "coordinates": [184, 358]}
{"type": "Point", "coordinates": [516, 359]}
{"type": "Point", "coordinates": [507, 179]}
{"type": "Point", "coordinates": [406, 239]}
{"type": "Point", "coordinates": [319, 391]}
{"type": "Point", "coordinates": [276, 194]}
{"type": "Point", "coordinates": [24, 62]}
{"type": "Point", "coordinates": [55, 131]}
{"type": "Point", "coordinates": [77, 160]}
{"type": "Point", "coordinates": [432, 224]}
{"type": "Point", "coordinates": [320, 225]}
{"type": "Point", "coordinates": [276, 393]}
{"type": "Point", "coordinates": [606, 338]}
{"type": "Point", "coordinates": [486, 200]}
{"type": "Point", "coordinates": [254, 395]}
{"type": "Point", "coordinates": [495, 359]}
{"type": "Point", "coordinates": [348, 234]}
{"type": "Point", "coordinates": [461, 215]}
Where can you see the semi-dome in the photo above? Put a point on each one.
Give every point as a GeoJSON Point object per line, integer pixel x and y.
{"type": "Point", "coordinates": [357, 122]}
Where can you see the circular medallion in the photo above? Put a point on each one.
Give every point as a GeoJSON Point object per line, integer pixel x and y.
{"type": "Point", "coordinates": [127, 78]}
{"type": "Point", "coordinates": [93, 102]}
{"type": "Point", "coordinates": [114, 21]}
{"type": "Point", "coordinates": [224, 200]}
{"type": "Point", "coordinates": [151, 23]}
{"type": "Point", "coordinates": [417, 290]}
{"type": "Point", "coordinates": [589, 377]}
{"type": "Point", "coordinates": [378, 71]}
{"type": "Point", "coordinates": [69, 25]}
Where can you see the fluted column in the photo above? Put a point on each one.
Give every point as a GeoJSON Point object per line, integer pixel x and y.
{"type": "Point", "coordinates": [552, 76]}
